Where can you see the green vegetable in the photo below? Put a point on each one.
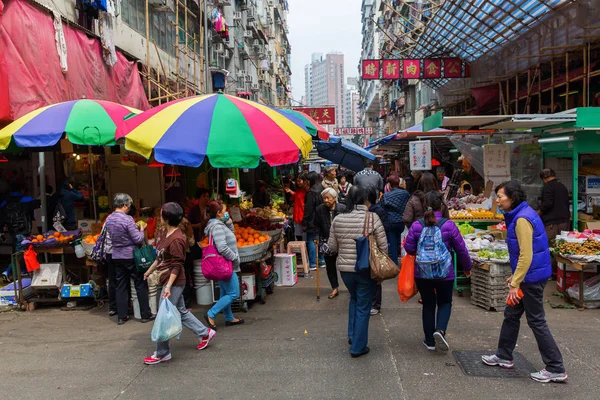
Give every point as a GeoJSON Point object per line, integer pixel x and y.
{"type": "Point", "coordinates": [466, 229]}
{"type": "Point", "coordinates": [497, 254]}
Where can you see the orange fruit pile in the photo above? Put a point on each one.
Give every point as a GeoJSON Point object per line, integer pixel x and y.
{"type": "Point", "coordinates": [249, 236]}
{"type": "Point", "coordinates": [91, 239]}
{"type": "Point", "coordinates": [56, 235]}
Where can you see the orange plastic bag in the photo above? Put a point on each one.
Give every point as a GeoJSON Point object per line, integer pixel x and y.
{"type": "Point", "coordinates": [31, 261]}
{"type": "Point", "coordinates": [407, 287]}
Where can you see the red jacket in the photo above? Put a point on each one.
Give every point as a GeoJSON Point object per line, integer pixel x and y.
{"type": "Point", "coordinates": [298, 198]}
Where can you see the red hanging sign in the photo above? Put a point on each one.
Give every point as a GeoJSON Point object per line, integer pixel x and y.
{"type": "Point", "coordinates": [452, 68]}
{"type": "Point", "coordinates": [412, 69]}
{"type": "Point", "coordinates": [370, 69]}
{"type": "Point", "coordinates": [432, 68]}
{"type": "Point", "coordinates": [391, 69]}
{"type": "Point", "coordinates": [323, 115]}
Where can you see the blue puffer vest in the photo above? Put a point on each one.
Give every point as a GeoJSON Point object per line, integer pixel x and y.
{"type": "Point", "coordinates": [541, 265]}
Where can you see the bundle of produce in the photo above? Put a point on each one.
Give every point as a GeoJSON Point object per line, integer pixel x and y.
{"type": "Point", "coordinates": [52, 239]}
{"type": "Point", "coordinates": [245, 237]}
{"type": "Point", "coordinates": [590, 247]}
{"type": "Point", "coordinates": [477, 244]}
{"type": "Point", "coordinates": [461, 201]}
{"type": "Point", "coordinates": [246, 205]}
{"type": "Point", "coordinates": [258, 223]}
{"type": "Point", "coordinates": [268, 213]}
{"type": "Point", "coordinates": [493, 254]}
{"type": "Point", "coordinates": [474, 213]}
{"type": "Point", "coordinates": [465, 228]}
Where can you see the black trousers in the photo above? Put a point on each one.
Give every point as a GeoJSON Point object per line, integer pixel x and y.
{"type": "Point", "coordinates": [188, 291]}
{"type": "Point", "coordinates": [125, 270]}
{"type": "Point", "coordinates": [532, 304]}
{"type": "Point", "coordinates": [112, 283]}
{"type": "Point", "coordinates": [332, 271]}
{"type": "Point", "coordinates": [376, 304]}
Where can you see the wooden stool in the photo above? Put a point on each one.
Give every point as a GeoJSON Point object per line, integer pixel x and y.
{"type": "Point", "coordinates": [300, 247]}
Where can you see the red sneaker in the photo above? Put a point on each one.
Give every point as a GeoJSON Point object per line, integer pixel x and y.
{"type": "Point", "coordinates": [206, 340]}
{"type": "Point", "coordinates": [154, 359]}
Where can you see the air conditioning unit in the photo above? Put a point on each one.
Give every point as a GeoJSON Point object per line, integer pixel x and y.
{"type": "Point", "coordinates": [250, 14]}
{"type": "Point", "coordinates": [256, 43]}
{"type": "Point", "coordinates": [237, 15]}
{"type": "Point", "coordinates": [219, 48]}
{"type": "Point", "coordinates": [248, 34]}
{"type": "Point", "coordinates": [269, 19]}
{"type": "Point", "coordinates": [248, 79]}
{"type": "Point", "coordinates": [270, 3]}
{"type": "Point", "coordinates": [255, 87]}
{"type": "Point", "coordinates": [241, 73]}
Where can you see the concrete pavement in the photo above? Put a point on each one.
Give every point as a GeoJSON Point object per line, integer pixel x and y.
{"type": "Point", "coordinates": [53, 354]}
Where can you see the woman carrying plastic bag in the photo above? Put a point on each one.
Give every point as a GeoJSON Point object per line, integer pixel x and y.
{"type": "Point", "coordinates": [171, 251]}
{"type": "Point", "coordinates": [168, 322]}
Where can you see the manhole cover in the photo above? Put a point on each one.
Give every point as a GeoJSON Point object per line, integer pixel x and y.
{"type": "Point", "coordinates": [470, 362]}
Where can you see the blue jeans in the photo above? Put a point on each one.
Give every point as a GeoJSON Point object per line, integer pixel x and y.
{"type": "Point", "coordinates": [361, 288]}
{"type": "Point", "coordinates": [394, 236]}
{"type": "Point", "coordinates": [435, 292]}
{"type": "Point", "coordinates": [230, 291]}
{"type": "Point", "coordinates": [188, 319]}
{"type": "Point", "coordinates": [312, 250]}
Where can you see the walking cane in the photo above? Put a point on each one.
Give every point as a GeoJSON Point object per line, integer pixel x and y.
{"type": "Point", "coordinates": [318, 276]}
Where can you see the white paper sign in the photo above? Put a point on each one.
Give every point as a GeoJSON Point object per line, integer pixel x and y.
{"type": "Point", "coordinates": [420, 155]}
{"type": "Point", "coordinates": [496, 161]}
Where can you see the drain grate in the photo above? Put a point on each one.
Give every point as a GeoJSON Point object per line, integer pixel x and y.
{"type": "Point", "coordinates": [470, 363]}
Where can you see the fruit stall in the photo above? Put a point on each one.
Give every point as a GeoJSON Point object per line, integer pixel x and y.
{"type": "Point", "coordinates": [578, 275]}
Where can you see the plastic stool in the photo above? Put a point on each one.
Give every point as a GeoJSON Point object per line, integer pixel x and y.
{"type": "Point", "coordinates": [300, 247]}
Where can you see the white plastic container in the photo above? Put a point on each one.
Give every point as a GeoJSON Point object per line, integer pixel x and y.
{"type": "Point", "coordinates": [204, 295]}
{"type": "Point", "coordinates": [48, 276]}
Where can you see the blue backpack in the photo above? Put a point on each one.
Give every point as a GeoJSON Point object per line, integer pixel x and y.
{"type": "Point", "coordinates": [433, 260]}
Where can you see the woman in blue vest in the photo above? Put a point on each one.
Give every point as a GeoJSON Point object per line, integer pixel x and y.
{"type": "Point", "coordinates": [531, 266]}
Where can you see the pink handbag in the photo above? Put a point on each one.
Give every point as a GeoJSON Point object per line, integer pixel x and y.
{"type": "Point", "coordinates": [214, 266]}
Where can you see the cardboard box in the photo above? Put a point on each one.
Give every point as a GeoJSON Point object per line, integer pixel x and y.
{"type": "Point", "coordinates": [589, 184]}
{"type": "Point", "coordinates": [248, 286]}
{"type": "Point", "coordinates": [69, 291]}
{"type": "Point", "coordinates": [285, 270]}
{"type": "Point", "coordinates": [590, 202]}
{"type": "Point", "coordinates": [571, 278]}
{"type": "Point", "coordinates": [86, 226]}
{"type": "Point", "coordinates": [584, 217]}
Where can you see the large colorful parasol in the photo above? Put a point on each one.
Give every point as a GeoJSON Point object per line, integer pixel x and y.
{"type": "Point", "coordinates": [232, 132]}
{"type": "Point", "coordinates": [313, 127]}
{"type": "Point", "coordinates": [85, 122]}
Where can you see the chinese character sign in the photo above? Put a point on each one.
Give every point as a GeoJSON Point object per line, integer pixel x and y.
{"type": "Point", "coordinates": [323, 115]}
{"type": "Point", "coordinates": [496, 161]}
{"type": "Point", "coordinates": [432, 68]}
{"type": "Point", "coordinates": [452, 68]}
{"type": "Point", "coordinates": [370, 69]}
{"type": "Point", "coordinates": [391, 69]}
{"type": "Point", "coordinates": [420, 155]}
{"type": "Point", "coordinates": [352, 131]}
{"type": "Point", "coordinates": [412, 69]}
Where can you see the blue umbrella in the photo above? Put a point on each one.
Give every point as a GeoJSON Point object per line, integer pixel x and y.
{"type": "Point", "coordinates": [344, 153]}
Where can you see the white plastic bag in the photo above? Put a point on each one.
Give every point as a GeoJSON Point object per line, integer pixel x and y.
{"type": "Point", "coordinates": [591, 291]}
{"type": "Point", "coordinates": [167, 324]}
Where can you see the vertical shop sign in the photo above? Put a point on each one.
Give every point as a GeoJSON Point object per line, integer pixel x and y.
{"type": "Point", "coordinates": [391, 69]}
{"type": "Point", "coordinates": [432, 68]}
{"type": "Point", "coordinates": [496, 162]}
{"type": "Point", "coordinates": [412, 69]}
{"type": "Point", "coordinates": [420, 155]}
{"type": "Point", "coordinates": [452, 68]}
{"type": "Point", "coordinates": [370, 69]}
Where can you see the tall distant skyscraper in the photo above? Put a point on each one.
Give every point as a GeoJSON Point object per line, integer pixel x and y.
{"type": "Point", "coordinates": [324, 83]}
{"type": "Point", "coordinates": [351, 115]}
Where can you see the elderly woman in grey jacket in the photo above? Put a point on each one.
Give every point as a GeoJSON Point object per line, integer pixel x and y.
{"type": "Point", "coordinates": [344, 230]}
{"type": "Point", "coordinates": [220, 228]}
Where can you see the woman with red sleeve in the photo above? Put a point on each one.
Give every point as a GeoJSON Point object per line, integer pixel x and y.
{"type": "Point", "coordinates": [298, 198]}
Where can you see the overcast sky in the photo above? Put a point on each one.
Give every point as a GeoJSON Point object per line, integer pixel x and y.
{"type": "Point", "coordinates": [321, 26]}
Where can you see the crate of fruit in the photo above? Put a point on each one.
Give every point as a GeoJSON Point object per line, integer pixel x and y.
{"type": "Point", "coordinates": [52, 239]}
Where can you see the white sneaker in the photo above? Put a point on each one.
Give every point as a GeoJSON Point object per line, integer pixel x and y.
{"type": "Point", "coordinates": [495, 361]}
{"type": "Point", "coordinates": [430, 348]}
{"type": "Point", "coordinates": [374, 311]}
{"type": "Point", "coordinates": [546, 376]}
{"type": "Point", "coordinates": [312, 269]}
{"type": "Point", "coordinates": [440, 341]}
{"type": "Point", "coordinates": [322, 266]}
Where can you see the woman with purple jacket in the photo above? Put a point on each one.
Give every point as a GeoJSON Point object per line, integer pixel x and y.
{"type": "Point", "coordinates": [436, 287]}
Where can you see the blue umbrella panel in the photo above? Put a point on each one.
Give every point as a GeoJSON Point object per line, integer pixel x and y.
{"type": "Point", "coordinates": [344, 153]}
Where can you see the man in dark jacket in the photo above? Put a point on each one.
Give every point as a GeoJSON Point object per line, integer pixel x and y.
{"type": "Point", "coordinates": [555, 205]}
{"type": "Point", "coordinates": [312, 200]}
{"type": "Point", "coordinates": [394, 203]}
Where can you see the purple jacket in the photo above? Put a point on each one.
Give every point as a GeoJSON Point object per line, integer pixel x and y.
{"type": "Point", "coordinates": [124, 234]}
{"type": "Point", "coordinates": [452, 239]}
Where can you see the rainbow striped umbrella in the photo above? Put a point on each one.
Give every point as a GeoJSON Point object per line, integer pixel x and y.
{"type": "Point", "coordinates": [232, 132]}
{"type": "Point", "coordinates": [85, 122]}
{"type": "Point", "coordinates": [313, 127]}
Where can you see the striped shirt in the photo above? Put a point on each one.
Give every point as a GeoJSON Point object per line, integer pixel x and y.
{"type": "Point", "coordinates": [125, 235]}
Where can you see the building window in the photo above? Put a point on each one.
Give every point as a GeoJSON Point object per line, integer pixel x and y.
{"type": "Point", "coordinates": [133, 13]}
{"type": "Point", "coordinates": [162, 31]}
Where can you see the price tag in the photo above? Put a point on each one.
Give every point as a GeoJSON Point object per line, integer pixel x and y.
{"type": "Point", "coordinates": [236, 214]}
{"type": "Point", "coordinates": [75, 291]}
